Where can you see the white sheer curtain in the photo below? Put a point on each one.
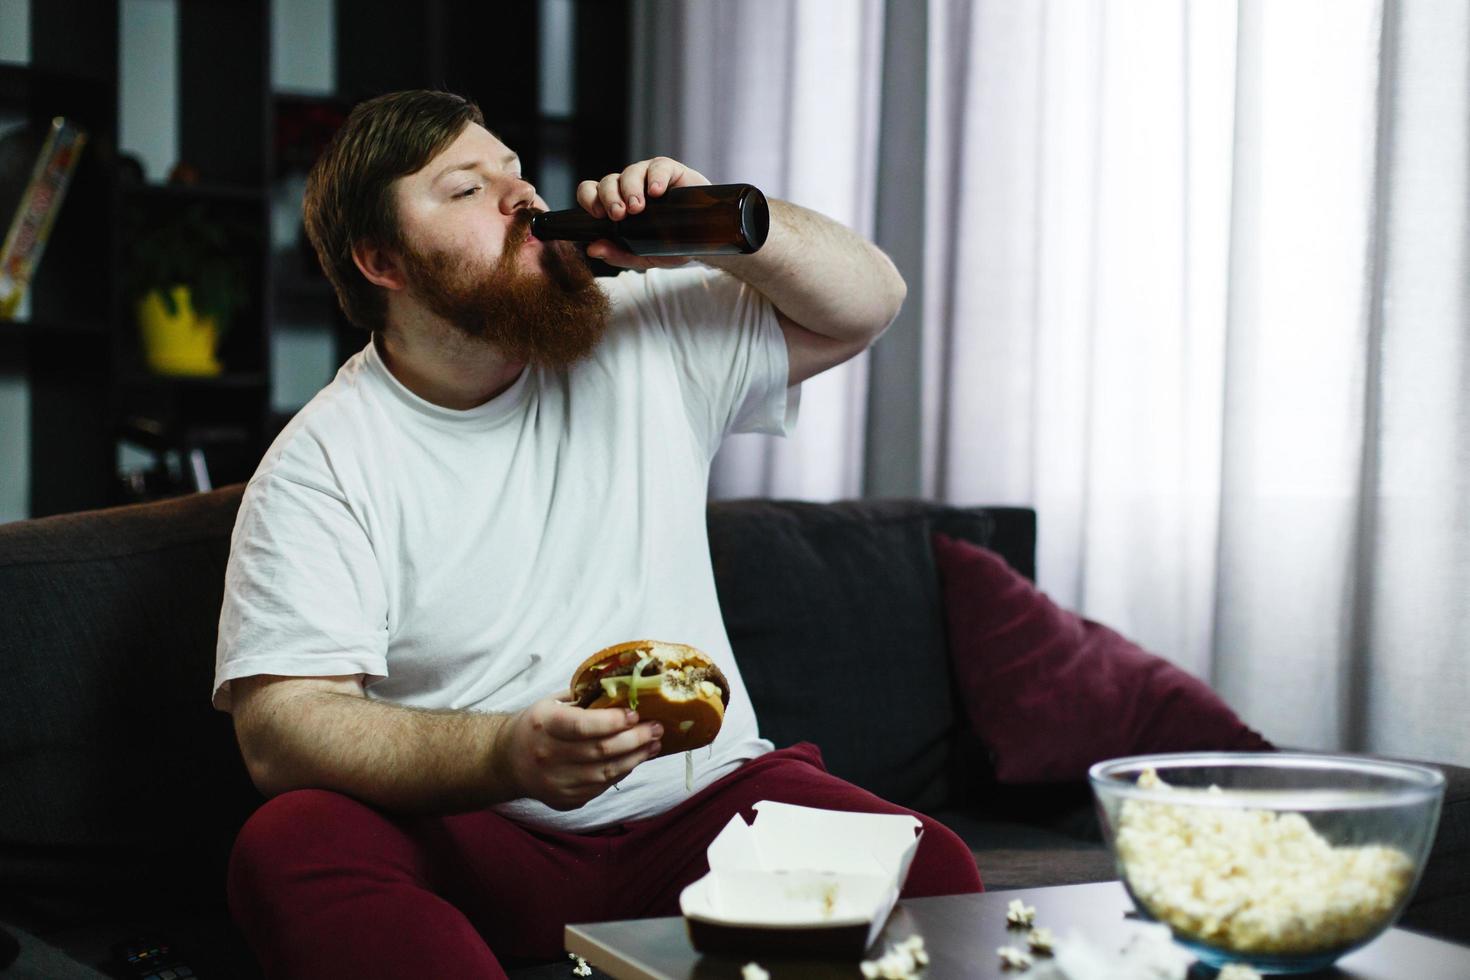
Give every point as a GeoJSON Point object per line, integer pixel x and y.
{"type": "Point", "coordinates": [780, 94]}
{"type": "Point", "coordinates": [1076, 257]}
{"type": "Point", "coordinates": [1194, 285]}
{"type": "Point", "coordinates": [1411, 641]}
{"type": "Point", "coordinates": [1203, 303]}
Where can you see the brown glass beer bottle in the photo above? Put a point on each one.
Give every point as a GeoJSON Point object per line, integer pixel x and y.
{"type": "Point", "coordinates": [717, 219]}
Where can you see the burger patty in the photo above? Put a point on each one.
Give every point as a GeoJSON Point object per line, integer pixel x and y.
{"type": "Point", "coordinates": [593, 690]}
{"type": "Point", "coordinates": [689, 679]}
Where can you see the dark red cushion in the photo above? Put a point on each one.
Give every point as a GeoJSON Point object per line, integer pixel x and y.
{"type": "Point", "coordinates": [1051, 693]}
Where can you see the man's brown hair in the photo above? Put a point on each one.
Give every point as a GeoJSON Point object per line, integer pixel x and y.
{"type": "Point", "coordinates": [349, 195]}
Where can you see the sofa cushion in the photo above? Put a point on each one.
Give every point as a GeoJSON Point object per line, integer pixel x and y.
{"type": "Point", "coordinates": [123, 788]}
{"type": "Point", "coordinates": [835, 618]}
{"type": "Point", "coordinates": [1021, 855]}
{"type": "Point", "coordinates": [1051, 693]}
{"type": "Point", "coordinates": [1441, 901]}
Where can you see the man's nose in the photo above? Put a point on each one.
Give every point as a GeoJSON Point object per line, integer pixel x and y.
{"type": "Point", "coordinates": [519, 193]}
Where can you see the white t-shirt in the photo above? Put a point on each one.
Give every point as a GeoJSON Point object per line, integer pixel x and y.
{"type": "Point", "coordinates": [473, 559]}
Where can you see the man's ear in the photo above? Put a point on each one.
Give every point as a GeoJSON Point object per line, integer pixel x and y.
{"type": "Point", "coordinates": [379, 265]}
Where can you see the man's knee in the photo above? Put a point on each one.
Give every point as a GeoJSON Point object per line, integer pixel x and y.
{"type": "Point", "coordinates": [324, 885]}
{"type": "Point", "coordinates": [311, 828]}
{"type": "Point", "coordinates": [944, 865]}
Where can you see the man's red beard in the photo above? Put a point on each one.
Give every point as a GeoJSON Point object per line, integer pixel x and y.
{"type": "Point", "coordinates": [553, 319]}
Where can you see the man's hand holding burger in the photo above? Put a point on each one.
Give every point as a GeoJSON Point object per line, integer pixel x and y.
{"type": "Point", "coordinates": [564, 755]}
{"type": "Point", "coordinates": [325, 733]}
{"type": "Point", "coordinates": [566, 752]}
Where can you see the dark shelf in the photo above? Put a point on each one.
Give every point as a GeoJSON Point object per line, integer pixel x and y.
{"type": "Point", "coordinates": [81, 352]}
{"type": "Point", "coordinates": [49, 328]}
{"type": "Point", "coordinates": [38, 92]}
{"type": "Point", "coordinates": [285, 96]}
{"type": "Point", "coordinates": [188, 193]}
{"type": "Point", "coordinates": [296, 285]}
{"type": "Point", "coordinates": [243, 380]}
{"type": "Point", "coordinates": [15, 86]}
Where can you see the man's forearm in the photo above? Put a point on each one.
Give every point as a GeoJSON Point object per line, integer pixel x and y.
{"type": "Point", "coordinates": [821, 274]}
{"type": "Point", "coordinates": [401, 759]}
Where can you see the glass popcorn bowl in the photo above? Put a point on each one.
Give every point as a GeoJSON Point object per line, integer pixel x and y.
{"type": "Point", "coordinates": [1283, 861]}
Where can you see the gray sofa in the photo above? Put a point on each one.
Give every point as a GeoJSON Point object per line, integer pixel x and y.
{"type": "Point", "coordinates": [121, 789]}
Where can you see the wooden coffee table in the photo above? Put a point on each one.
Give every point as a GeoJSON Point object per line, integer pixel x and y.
{"type": "Point", "coordinates": [961, 933]}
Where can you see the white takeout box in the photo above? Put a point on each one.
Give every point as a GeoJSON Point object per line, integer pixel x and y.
{"type": "Point", "coordinates": [800, 879]}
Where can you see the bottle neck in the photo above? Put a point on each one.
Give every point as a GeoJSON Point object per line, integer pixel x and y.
{"type": "Point", "coordinates": [573, 225]}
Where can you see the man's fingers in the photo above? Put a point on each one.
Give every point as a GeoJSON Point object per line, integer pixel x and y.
{"type": "Point", "coordinates": [618, 195]}
{"type": "Point", "coordinates": [624, 259]}
{"type": "Point", "coordinates": [587, 199]}
{"type": "Point", "coordinates": [615, 746]}
{"type": "Point", "coordinates": [613, 254]}
{"type": "Point", "coordinates": [631, 186]}
{"type": "Point", "coordinates": [572, 724]}
{"type": "Point", "coordinates": [611, 198]}
{"type": "Point", "coordinates": [603, 774]}
{"type": "Point", "coordinates": [660, 175]}
{"type": "Point", "coordinates": [664, 173]}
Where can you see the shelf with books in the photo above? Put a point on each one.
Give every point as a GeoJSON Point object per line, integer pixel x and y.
{"type": "Point", "coordinates": [247, 147]}
{"type": "Point", "coordinates": [38, 92]}
{"type": "Point", "coordinates": [37, 164]}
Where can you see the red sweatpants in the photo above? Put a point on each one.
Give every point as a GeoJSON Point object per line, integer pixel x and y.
{"type": "Point", "coordinates": [325, 886]}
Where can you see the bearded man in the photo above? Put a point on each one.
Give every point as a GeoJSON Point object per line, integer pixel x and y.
{"type": "Point", "coordinates": [509, 476]}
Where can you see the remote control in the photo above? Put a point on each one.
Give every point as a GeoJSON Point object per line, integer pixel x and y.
{"type": "Point", "coordinates": [146, 959]}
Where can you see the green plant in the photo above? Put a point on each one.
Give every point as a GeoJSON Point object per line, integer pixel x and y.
{"type": "Point", "coordinates": [196, 250]}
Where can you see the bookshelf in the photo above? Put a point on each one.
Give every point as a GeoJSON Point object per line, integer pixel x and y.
{"type": "Point", "coordinates": [63, 348]}
{"type": "Point", "coordinates": [247, 146]}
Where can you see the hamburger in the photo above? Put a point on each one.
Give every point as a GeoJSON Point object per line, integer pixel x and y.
{"type": "Point", "coordinates": [670, 683]}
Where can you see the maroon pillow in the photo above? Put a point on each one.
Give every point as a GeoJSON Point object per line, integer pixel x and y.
{"type": "Point", "coordinates": [1050, 693]}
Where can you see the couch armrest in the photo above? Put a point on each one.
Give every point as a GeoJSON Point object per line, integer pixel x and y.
{"type": "Point", "coordinates": [1441, 905]}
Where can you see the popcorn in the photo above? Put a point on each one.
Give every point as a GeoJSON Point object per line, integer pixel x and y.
{"type": "Point", "coordinates": [1254, 881]}
{"type": "Point", "coordinates": [1018, 913]}
{"type": "Point", "coordinates": [752, 971]}
{"type": "Point", "coordinates": [903, 961]}
{"type": "Point", "coordinates": [581, 969]}
{"type": "Point", "coordinates": [1012, 958]}
{"type": "Point", "coordinates": [1237, 971]}
{"type": "Point", "coordinates": [1040, 940]}
{"type": "Point", "coordinates": [1149, 953]}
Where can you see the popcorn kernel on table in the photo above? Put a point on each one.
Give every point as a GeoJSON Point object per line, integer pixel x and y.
{"type": "Point", "coordinates": [903, 961]}
{"type": "Point", "coordinates": [1012, 958]}
{"type": "Point", "coordinates": [1018, 913]}
{"type": "Point", "coordinates": [1237, 971]}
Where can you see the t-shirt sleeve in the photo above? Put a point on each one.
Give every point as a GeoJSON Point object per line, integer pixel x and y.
{"type": "Point", "coordinates": [728, 350]}
{"type": "Point", "coordinates": [304, 596]}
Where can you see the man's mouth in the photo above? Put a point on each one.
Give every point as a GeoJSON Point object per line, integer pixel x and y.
{"type": "Point", "coordinates": [519, 233]}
